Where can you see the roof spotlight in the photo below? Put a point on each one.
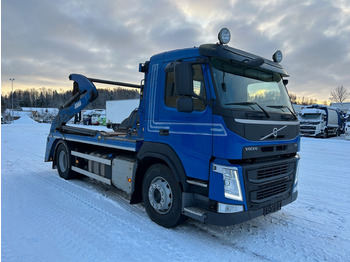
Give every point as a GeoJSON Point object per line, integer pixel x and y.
{"type": "Point", "coordinates": [277, 56]}
{"type": "Point", "coordinates": [224, 36]}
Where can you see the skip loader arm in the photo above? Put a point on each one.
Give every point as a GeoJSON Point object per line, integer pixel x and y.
{"type": "Point", "coordinates": [86, 94]}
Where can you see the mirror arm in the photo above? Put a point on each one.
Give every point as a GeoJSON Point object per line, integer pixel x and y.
{"type": "Point", "coordinates": [206, 102]}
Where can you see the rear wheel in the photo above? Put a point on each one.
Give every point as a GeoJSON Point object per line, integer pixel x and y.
{"type": "Point", "coordinates": [162, 196]}
{"type": "Point", "coordinates": [63, 162]}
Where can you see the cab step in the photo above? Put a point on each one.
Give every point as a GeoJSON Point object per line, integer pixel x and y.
{"type": "Point", "coordinates": [195, 213]}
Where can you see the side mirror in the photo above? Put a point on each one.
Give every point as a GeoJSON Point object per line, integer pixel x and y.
{"type": "Point", "coordinates": [185, 104]}
{"type": "Point", "coordinates": [183, 79]}
{"type": "Point", "coordinates": [285, 82]}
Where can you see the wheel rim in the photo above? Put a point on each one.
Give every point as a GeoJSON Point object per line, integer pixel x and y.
{"type": "Point", "coordinates": [62, 161]}
{"type": "Point", "coordinates": [160, 195]}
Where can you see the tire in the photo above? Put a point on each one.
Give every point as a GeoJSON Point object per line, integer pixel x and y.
{"type": "Point", "coordinates": [325, 134]}
{"type": "Point", "coordinates": [162, 196]}
{"type": "Point", "coordinates": [63, 162]}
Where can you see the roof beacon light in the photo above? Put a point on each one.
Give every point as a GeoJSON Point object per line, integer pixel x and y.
{"type": "Point", "coordinates": [277, 56]}
{"type": "Point", "coordinates": [224, 36]}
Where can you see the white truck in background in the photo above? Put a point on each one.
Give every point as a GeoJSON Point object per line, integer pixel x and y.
{"type": "Point", "coordinates": [320, 121]}
{"type": "Point", "coordinates": [118, 110]}
{"type": "Point", "coordinates": [347, 126]}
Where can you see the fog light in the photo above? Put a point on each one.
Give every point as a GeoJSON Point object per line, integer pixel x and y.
{"type": "Point", "coordinates": [225, 208]}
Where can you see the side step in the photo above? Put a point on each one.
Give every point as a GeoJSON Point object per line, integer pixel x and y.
{"type": "Point", "coordinates": [195, 213]}
{"type": "Point", "coordinates": [92, 175]}
{"type": "Point", "coordinates": [102, 162]}
{"type": "Point", "coordinates": [119, 171]}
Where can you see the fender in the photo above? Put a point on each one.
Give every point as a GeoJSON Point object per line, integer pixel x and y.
{"type": "Point", "coordinates": [168, 155]}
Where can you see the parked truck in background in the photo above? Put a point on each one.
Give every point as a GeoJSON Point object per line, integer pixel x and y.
{"type": "Point", "coordinates": [321, 121]}
{"type": "Point", "coordinates": [215, 137]}
{"type": "Point", "coordinates": [124, 109]}
{"type": "Point", "coordinates": [98, 117]}
{"type": "Point", "coordinates": [347, 126]}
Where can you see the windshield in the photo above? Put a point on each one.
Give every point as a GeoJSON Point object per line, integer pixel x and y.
{"type": "Point", "coordinates": [310, 116]}
{"type": "Point", "coordinates": [243, 88]}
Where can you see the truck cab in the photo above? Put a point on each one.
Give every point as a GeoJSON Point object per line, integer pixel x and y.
{"type": "Point", "coordinates": [216, 138]}
{"type": "Point", "coordinates": [313, 122]}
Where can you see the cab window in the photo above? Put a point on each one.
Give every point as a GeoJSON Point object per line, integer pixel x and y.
{"type": "Point", "coordinates": [198, 88]}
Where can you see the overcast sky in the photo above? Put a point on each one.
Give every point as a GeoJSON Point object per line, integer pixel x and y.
{"type": "Point", "coordinates": [43, 41]}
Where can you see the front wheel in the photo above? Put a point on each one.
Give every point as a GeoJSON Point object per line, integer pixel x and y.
{"type": "Point", "coordinates": [162, 196]}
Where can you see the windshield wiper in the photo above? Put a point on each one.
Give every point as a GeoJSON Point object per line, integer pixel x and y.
{"type": "Point", "coordinates": [280, 107]}
{"type": "Point", "coordinates": [250, 104]}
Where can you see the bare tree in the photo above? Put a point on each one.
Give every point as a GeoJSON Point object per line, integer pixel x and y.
{"type": "Point", "coordinates": [339, 95]}
{"type": "Point", "coordinates": [293, 98]}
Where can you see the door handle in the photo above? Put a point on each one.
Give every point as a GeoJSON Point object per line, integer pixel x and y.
{"type": "Point", "coordinates": [164, 132]}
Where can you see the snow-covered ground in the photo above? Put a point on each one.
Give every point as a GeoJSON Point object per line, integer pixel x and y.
{"type": "Point", "coordinates": [45, 218]}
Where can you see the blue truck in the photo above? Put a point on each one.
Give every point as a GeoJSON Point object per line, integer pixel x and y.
{"type": "Point", "coordinates": [215, 137]}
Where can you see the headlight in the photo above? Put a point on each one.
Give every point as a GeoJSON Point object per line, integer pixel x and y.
{"type": "Point", "coordinates": [232, 186]}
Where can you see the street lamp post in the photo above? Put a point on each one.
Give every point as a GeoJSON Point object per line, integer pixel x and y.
{"type": "Point", "coordinates": [12, 79]}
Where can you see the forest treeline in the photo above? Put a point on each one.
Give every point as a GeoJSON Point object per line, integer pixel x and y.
{"type": "Point", "coordinates": [304, 100]}
{"type": "Point", "coordinates": [48, 98]}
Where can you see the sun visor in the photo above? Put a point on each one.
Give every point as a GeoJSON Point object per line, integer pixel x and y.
{"type": "Point", "coordinates": [248, 59]}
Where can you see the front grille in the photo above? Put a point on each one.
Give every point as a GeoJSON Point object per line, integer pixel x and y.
{"type": "Point", "coordinates": [308, 127]}
{"type": "Point", "coordinates": [272, 191]}
{"type": "Point", "coordinates": [271, 171]}
{"type": "Point", "coordinates": [267, 182]}
{"type": "Point", "coordinates": [307, 132]}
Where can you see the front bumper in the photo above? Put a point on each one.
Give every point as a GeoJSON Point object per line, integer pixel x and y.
{"type": "Point", "coordinates": [222, 219]}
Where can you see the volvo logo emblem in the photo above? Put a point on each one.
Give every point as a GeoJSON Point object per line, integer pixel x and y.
{"type": "Point", "coordinates": [274, 133]}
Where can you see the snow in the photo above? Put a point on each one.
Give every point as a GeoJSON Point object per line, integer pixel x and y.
{"type": "Point", "coordinates": [45, 218]}
{"type": "Point", "coordinates": [24, 120]}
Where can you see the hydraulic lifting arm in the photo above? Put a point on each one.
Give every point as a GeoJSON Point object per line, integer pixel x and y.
{"type": "Point", "coordinates": [85, 94]}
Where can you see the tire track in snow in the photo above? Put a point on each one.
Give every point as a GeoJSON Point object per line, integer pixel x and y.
{"type": "Point", "coordinates": [51, 216]}
{"type": "Point", "coordinates": [215, 234]}
{"type": "Point", "coordinates": [71, 189]}
{"type": "Point", "coordinates": [283, 239]}
{"type": "Point", "coordinates": [54, 211]}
